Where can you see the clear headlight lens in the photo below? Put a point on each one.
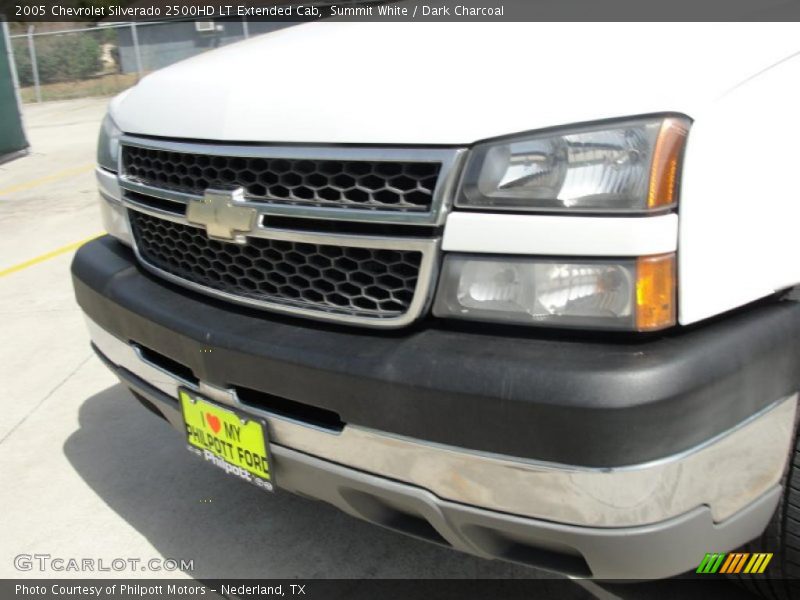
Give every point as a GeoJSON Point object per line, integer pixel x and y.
{"type": "Point", "coordinates": [108, 145]}
{"type": "Point", "coordinates": [113, 212]}
{"type": "Point", "coordinates": [625, 166]}
{"type": "Point", "coordinates": [634, 294]}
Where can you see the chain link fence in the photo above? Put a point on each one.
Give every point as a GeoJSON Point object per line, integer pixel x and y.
{"type": "Point", "coordinates": [60, 64]}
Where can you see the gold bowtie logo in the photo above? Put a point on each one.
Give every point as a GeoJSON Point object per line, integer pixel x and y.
{"type": "Point", "coordinates": [222, 214]}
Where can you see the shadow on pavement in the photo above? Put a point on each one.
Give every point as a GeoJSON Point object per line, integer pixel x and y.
{"type": "Point", "coordinates": [139, 466]}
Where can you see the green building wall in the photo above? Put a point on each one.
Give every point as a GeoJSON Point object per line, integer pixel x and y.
{"type": "Point", "coordinates": [12, 135]}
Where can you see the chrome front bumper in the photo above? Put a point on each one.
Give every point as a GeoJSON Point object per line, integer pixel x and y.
{"type": "Point", "coordinates": [721, 493]}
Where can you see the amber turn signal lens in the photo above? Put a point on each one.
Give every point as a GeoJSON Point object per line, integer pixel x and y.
{"type": "Point", "coordinates": [655, 292]}
{"type": "Point", "coordinates": [663, 190]}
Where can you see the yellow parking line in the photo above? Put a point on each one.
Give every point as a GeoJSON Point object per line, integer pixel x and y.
{"type": "Point", "coordinates": [47, 179]}
{"type": "Point", "coordinates": [47, 256]}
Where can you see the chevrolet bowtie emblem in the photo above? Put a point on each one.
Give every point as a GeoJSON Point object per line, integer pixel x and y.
{"type": "Point", "coordinates": [222, 214]}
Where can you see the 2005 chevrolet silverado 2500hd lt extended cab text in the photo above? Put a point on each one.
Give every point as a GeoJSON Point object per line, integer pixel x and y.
{"type": "Point", "coordinates": [535, 306]}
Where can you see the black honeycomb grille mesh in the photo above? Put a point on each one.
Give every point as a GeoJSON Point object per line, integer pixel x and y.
{"type": "Point", "coordinates": [346, 280]}
{"type": "Point", "coordinates": [377, 185]}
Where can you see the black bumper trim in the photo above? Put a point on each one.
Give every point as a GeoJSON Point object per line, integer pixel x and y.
{"type": "Point", "coordinates": [588, 402]}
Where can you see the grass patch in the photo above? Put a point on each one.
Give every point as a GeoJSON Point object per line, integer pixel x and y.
{"type": "Point", "coordinates": [104, 85]}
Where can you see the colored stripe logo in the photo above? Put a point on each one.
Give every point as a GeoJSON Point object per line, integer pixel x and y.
{"type": "Point", "coordinates": [734, 562]}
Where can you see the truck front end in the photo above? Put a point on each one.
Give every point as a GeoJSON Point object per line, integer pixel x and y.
{"type": "Point", "coordinates": [513, 324]}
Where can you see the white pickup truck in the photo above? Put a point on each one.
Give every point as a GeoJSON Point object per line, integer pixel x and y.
{"type": "Point", "coordinates": [524, 290]}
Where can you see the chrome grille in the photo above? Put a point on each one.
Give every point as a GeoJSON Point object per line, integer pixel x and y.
{"type": "Point", "coordinates": [338, 233]}
{"type": "Point", "coordinates": [360, 184]}
{"type": "Point", "coordinates": [376, 283]}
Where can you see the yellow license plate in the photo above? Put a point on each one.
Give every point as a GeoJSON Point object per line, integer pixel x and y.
{"type": "Point", "coordinates": [236, 444]}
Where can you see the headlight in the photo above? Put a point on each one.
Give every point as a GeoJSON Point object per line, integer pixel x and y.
{"type": "Point", "coordinates": [632, 294]}
{"type": "Point", "coordinates": [108, 145]}
{"type": "Point", "coordinates": [628, 166]}
{"type": "Point", "coordinates": [113, 212]}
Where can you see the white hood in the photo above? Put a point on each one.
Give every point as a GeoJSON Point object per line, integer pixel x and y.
{"type": "Point", "coordinates": [445, 83]}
